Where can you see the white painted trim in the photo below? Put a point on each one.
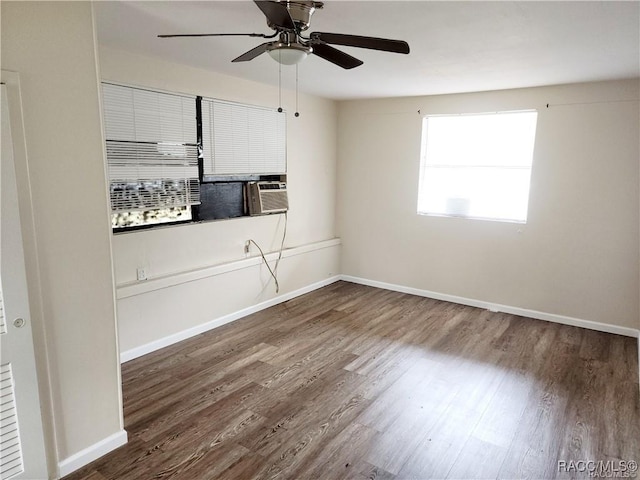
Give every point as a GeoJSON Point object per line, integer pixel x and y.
{"type": "Point", "coordinates": [131, 289]}
{"type": "Point", "coordinates": [89, 454]}
{"type": "Point", "coordinates": [523, 312]}
{"type": "Point", "coordinates": [204, 327]}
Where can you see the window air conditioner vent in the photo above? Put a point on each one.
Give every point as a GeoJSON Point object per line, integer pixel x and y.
{"type": "Point", "coordinates": [267, 197]}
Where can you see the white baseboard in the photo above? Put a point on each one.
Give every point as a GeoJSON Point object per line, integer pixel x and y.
{"type": "Point", "coordinates": [523, 312]}
{"type": "Point", "coordinates": [89, 454]}
{"type": "Point", "coordinates": [204, 327]}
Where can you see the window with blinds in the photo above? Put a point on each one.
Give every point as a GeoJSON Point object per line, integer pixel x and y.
{"type": "Point", "coordinates": [242, 139]}
{"type": "Point", "coordinates": [152, 155]}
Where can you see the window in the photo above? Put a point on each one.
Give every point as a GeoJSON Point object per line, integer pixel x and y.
{"type": "Point", "coordinates": [477, 166]}
{"type": "Point", "coordinates": [242, 139]}
{"type": "Point", "coordinates": [179, 158]}
{"type": "Point", "coordinates": [152, 156]}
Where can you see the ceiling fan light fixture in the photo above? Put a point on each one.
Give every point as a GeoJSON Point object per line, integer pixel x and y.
{"type": "Point", "coordinates": [289, 54]}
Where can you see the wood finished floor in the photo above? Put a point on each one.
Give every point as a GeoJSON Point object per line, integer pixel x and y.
{"type": "Point", "coordinates": [355, 382]}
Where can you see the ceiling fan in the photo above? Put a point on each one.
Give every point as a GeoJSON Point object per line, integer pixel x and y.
{"type": "Point", "coordinates": [290, 19]}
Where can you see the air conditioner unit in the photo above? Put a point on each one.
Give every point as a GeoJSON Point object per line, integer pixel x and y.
{"type": "Point", "coordinates": [267, 197]}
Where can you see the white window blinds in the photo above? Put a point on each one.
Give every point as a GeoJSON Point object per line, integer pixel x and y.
{"type": "Point", "coordinates": [242, 139]}
{"type": "Point", "coordinates": [152, 150]}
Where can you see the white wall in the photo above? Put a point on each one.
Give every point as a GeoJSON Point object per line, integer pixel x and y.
{"type": "Point", "coordinates": [577, 256]}
{"type": "Point", "coordinates": [51, 46]}
{"type": "Point", "coordinates": [172, 251]}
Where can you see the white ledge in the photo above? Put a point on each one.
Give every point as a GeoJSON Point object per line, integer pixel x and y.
{"type": "Point", "coordinates": [131, 289]}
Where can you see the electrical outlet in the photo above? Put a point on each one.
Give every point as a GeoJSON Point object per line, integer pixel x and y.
{"type": "Point", "coordinates": [141, 273]}
{"type": "Point", "coordinates": [247, 246]}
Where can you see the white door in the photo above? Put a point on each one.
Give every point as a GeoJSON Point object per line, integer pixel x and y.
{"type": "Point", "coordinates": [22, 445]}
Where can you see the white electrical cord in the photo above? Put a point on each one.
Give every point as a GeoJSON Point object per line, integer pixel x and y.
{"type": "Point", "coordinates": [284, 235]}
{"type": "Point", "coordinates": [274, 272]}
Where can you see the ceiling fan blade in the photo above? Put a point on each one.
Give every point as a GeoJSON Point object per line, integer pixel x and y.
{"type": "Point", "coordinates": [276, 13]}
{"type": "Point", "coordinates": [215, 35]}
{"type": "Point", "coordinates": [373, 43]}
{"type": "Point", "coordinates": [253, 53]}
{"type": "Point", "coordinates": [335, 56]}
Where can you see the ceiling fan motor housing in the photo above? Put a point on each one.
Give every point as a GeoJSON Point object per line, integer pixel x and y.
{"type": "Point", "coordinates": [301, 12]}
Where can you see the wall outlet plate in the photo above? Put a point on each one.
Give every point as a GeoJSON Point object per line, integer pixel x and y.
{"type": "Point", "coordinates": [141, 273]}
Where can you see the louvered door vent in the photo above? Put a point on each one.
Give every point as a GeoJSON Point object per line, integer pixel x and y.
{"type": "Point", "coordinates": [11, 463]}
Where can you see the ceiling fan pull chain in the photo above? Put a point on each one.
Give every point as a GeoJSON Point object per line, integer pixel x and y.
{"type": "Point", "coordinates": [279, 84]}
{"type": "Point", "coordinates": [297, 114]}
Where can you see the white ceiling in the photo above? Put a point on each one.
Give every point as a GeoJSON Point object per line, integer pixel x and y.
{"type": "Point", "coordinates": [455, 46]}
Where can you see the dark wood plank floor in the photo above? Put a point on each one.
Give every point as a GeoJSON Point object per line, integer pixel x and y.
{"type": "Point", "coordinates": [355, 382]}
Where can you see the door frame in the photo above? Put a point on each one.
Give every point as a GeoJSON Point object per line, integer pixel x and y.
{"type": "Point", "coordinates": [22, 177]}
